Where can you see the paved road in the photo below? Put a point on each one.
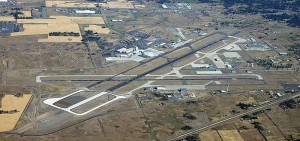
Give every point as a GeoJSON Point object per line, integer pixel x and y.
{"type": "Point", "coordinates": [259, 108]}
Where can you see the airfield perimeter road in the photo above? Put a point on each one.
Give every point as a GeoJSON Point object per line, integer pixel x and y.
{"type": "Point", "coordinates": [161, 55]}
{"type": "Point", "coordinates": [256, 109]}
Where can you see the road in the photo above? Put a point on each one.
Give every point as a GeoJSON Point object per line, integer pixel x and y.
{"type": "Point", "coordinates": [259, 108]}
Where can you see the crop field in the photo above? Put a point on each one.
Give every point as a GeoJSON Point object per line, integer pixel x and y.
{"type": "Point", "coordinates": [57, 24]}
{"type": "Point", "coordinates": [7, 19]}
{"type": "Point", "coordinates": [68, 4]}
{"type": "Point", "coordinates": [25, 14]}
{"type": "Point", "coordinates": [210, 136]}
{"type": "Point", "coordinates": [61, 39]}
{"type": "Point", "coordinates": [230, 135]}
{"type": "Point", "coordinates": [10, 102]}
{"type": "Point", "coordinates": [251, 135]}
{"type": "Point", "coordinates": [98, 29]}
{"type": "Point", "coordinates": [32, 29]}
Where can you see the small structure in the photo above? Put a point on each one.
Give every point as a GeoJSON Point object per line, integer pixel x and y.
{"type": "Point", "coordinates": [114, 20]}
{"type": "Point", "coordinates": [164, 6]}
{"type": "Point", "coordinates": [85, 12]}
{"type": "Point", "coordinates": [201, 65]}
{"type": "Point", "coordinates": [160, 88]}
{"type": "Point", "coordinates": [125, 50]}
{"type": "Point", "coordinates": [182, 89]}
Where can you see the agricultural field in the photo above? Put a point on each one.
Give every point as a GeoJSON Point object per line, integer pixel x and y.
{"type": "Point", "coordinates": [8, 103]}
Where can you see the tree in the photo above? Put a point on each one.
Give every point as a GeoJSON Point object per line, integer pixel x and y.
{"type": "Point", "coordinates": [186, 127]}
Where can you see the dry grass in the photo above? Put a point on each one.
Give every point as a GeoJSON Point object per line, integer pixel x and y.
{"type": "Point", "coordinates": [204, 42]}
{"type": "Point", "coordinates": [25, 14]}
{"type": "Point", "coordinates": [10, 102]}
{"type": "Point", "coordinates": [6, 19]}
{"type": "Point", "coordinates": [64, 20]}
{"type": "Point", "coordinates": [61, 39]}
{"type": "Point", "coordinates": [69, 4]}
{"type": "Point", "coordinates": [230, 135]}
{"type": "Point", "coordinates": [251, 135]}
{"type": "Point", "coordinates": [178, 52]}
{"type": "Point", "coordinates": [98, 29]}
{"type": "Point", "coordinates": [57, 24]}
{"type": "Point", "coordinates": [33, 29]}
{"type": "Point", "coordinates": [111, 4]}
{"type": "Point", "coordinates": [210, 136]}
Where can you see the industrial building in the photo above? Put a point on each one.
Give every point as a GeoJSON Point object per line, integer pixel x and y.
{"type": "Point", "coordinates": [3, 0]}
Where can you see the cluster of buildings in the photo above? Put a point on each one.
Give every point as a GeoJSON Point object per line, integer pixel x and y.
{"type": "Point", "coordinates": [134, 54]}
{"type": "Point", "coordinates": [176, 6]}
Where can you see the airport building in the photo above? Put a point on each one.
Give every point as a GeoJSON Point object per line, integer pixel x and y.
{"type": "Point", "coordinates": [83, 11]}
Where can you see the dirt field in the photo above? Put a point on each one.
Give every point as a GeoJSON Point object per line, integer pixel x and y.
{"type": "Point", "coordinates": [209, 136]}
{"type": "Point", "coordinates": [7, 19]}
{"type": "Point", "coordinates": [98, 29]}
{"type": "Point", "coordinates": [10, 102]}
{"type": "Point", "coordinates": [230, 135]}
{"type": "Point", "coordinates": [251, 135]}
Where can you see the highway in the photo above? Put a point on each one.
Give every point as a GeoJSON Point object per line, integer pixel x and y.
{"type": "Point", "coordinates": [250, 111]}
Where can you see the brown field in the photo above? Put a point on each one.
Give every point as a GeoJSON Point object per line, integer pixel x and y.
{"type": "Point", "coordinates": [178, 53]}
{"type": "Point", "coordinates": [230, 135]}
{"type": "Point", "coordinates": [213, 47]}
{"type": "Point", "coordinates": [111, 4]}
{"type": "Point", "coordinates": [148, 66]}
{"type": "Point", "coordinates": [130, 87]}
{"type": "Point", "coordinates": [10, 102]}
{"type": "Point", "coordinates": [98, 29]}
{"type": "Point", "coordinates": [251, 135]}
{"type": "Point", "coordinates": [56, 24]}
{"type": "Point", "coordinates": [203, 42]}
{"type": "Point", "coordinates": [65, 20]}
{"type": "Point", "coordinates": [25, 14]}
{"type": "Point", "coordinates": [185, 61]}
{"type": "Point", "coordinates": [61, 39]}
{"type": "Point", "coordinates": [32, 29]}
{"type": "Point", "coordinates": [6, 19]}
{"type": "Point", "coordinates": [210, 136]}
